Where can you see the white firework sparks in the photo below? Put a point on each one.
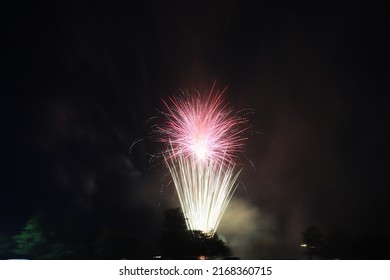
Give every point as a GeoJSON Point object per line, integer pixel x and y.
{"type": "Point", "coordinates": [204, 190]}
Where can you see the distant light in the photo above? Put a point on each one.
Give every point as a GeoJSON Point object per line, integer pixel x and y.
{"type": "Point", "coordinates": [303, 245]}
{"type": "Point", "coordinates": [156, 257]}
{"type": "Point", "coordinates": [202, 258]}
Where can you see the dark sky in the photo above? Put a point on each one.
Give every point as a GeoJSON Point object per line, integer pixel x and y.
{"type": "Point", "coordinates": [79, 80]}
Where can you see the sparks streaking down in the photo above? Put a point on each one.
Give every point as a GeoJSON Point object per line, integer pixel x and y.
{"type": "Point", "coordinates": [203, 127]}
{"type": "Point", "coordinates": [204, 191]}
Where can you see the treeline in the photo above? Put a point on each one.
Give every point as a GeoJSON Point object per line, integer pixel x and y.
{"type": "Point", "coordinates": [341, 244]}
{"type": "Point", "coordinates": [77, 238]}
{"type": "Point", "coordinates": [70, 238]}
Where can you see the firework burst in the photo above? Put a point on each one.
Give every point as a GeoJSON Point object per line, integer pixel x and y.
{"type": "Point", "coordinates": [204, 138]}
{"type": "Point", "coordinates": [203, 127]}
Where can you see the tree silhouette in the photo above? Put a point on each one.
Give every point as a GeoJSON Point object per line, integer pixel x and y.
{"type": "Point", "coordinates": [313, 240]}
{"type": "Point", "coordinates": [30, 242]}
{"type": "Point", "coordinates": [41, 239]}
{"type": "Point", "coordinates": [75, 238]}
{"type": "Point", "coordinates": [339, 244]}
{"type": "Point", "coordinates": [7, 247]}
{"type": "Point", "coordinates": [179, 243]}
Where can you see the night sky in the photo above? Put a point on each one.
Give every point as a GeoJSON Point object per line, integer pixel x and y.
{"type": "Point", "coordinates": [79, 81]}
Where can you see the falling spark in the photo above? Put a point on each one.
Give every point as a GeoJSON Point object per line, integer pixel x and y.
{"type": "Point", "coordinates": [204, 191]}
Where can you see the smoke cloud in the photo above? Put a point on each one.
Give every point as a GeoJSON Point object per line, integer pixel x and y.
{"type": "Point", "coordinates": [248, 231]}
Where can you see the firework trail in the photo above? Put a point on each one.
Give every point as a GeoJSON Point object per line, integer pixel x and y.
{"type": "Point", "coordinates": [204, 138]}
{"type": "Point", "coordinates": [204, 191]}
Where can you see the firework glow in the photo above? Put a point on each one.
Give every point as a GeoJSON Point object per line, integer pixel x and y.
{"type": "Point", "coordinates": [204, 191]}
{"type": "Point", "coordinates": [204, 138]}
{"type": "Point", "coordinates": [203, 127]}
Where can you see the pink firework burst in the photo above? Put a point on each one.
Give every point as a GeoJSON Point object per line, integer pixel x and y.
{"type": "Point", "coordinates": [203, 127]}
